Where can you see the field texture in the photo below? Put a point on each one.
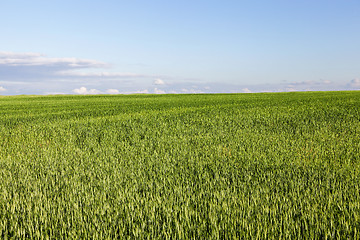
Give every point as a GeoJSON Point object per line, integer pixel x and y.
{"type": "Point", "coordinates": [251, 166]}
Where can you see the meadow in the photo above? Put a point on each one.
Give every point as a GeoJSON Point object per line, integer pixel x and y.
{"type": "Point", "coordinates": [205, 166]}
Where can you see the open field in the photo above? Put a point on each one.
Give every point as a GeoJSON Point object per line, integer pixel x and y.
{"type": "Point", "coordinates": [269, 165]}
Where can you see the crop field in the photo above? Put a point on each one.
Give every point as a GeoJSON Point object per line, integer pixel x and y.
{"type": "Point", "coordinates": [212, 166]}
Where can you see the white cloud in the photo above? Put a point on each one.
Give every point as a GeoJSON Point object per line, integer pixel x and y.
{"type": "Point", "coordinates": [355, 82]}
{"type": "Point", "coordinates": [84, 90]}
{"type": "Point", "coordinates": [112, 91]}
{"type": "Point", "coordinates": [158, 91]}
{"type": "Point", "coordinates": [54, 93]}
{"type": "Point", "coordinates": [2, 89]}
{"type": "Point", "coordinates": [191, 90]}
{"type": "Point", "coordinates": [290, 89]}
{"type": "Point", "coordinates": [81, 90]}
{"type": "Point", "coordinates": [159, 81]}
{"type": "Point", "coordinates": [145, 91]}
{"type": "Point", "coordinates": [246, 90]}
{"type": "Point", "coordinates": [173, 92]}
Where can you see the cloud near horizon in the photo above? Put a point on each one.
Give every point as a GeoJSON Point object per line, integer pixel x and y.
{"type": "Point", "coordinates": [355, 83]}
{"type": "Point", "coordinates": [159, 81]}
{"type": "Point", "coordinates": [188, 88]}
{"type": "Point", "coordinates": [246, 90]}
{"type": "Point", "coordinates": [85, 91]}
{"type": "Point", "coordinates": [38, 67]}
{"type": "Point", "coordinates": [112, 91]}
{"type": "Point", "coordinates": [35, 73]}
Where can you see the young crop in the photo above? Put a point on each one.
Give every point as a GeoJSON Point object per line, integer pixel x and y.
{"type": "Point", "coordinates": [212, 166]}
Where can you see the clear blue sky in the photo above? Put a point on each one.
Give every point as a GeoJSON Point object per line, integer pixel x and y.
{"type": "Point", "coordinates": [113, 46]}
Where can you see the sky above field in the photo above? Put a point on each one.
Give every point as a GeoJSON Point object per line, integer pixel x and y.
{"type": "Point", "coordinates": [158, 46]}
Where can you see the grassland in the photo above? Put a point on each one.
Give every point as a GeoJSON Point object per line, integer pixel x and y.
{"type": "Point", "coordinates": [231, 166]}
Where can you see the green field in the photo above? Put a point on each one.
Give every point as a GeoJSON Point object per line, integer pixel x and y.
{"type": "Point", "coordinates": [221, 166]}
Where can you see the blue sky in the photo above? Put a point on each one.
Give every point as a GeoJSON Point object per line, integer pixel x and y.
{"type": "Point", "coordinates": [79, 47]}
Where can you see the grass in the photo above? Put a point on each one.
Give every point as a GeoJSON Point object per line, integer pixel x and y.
{"type": "Point", "coordinates": [221, 166]}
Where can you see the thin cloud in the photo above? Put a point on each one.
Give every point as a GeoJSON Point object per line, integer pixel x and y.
{"type": "Point", "coordinates": [38, 67]}
{"type": "Point", "coordinates": [310, 83]}
{"type": "Point", "coordinates": [2, 89]}
{"type": "Point", "coordinates": [36, 59]}
{"type": "Point", "coordinates": [99, 75]}
{"type": "Point", "coordinates": [19, 55]}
